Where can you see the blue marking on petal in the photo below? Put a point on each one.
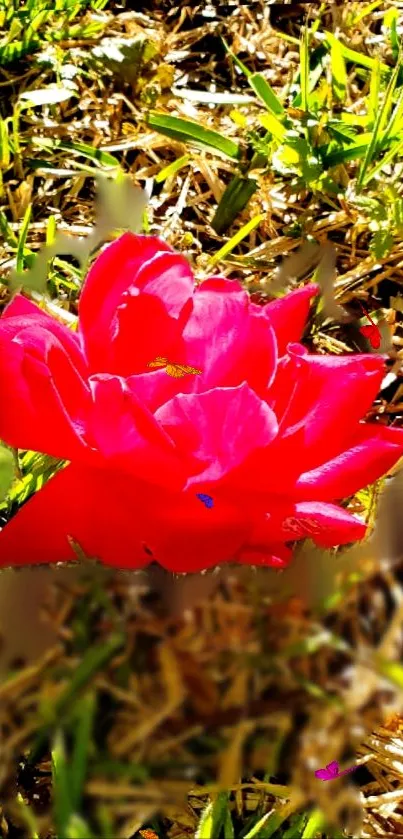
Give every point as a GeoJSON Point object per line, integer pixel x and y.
{"type": "Point", "coordinates": [207, 500]}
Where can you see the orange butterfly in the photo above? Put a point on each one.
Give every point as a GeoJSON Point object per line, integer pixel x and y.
{"type": "Point", "coordinates": [302, 527]}
{"type": "Point", "coordinates": [177, 371]}
{"type": "Point", "coordinates": [148, 834]}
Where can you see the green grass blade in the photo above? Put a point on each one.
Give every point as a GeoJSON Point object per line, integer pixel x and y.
{"type": "Point", "coordinates": [172, 169]}
{"type": "Point", "coordinates": [265, 93]}
{"type": "Point", "coordinates": [314, 826]}
{"type": "Point", "coordinates": [20, 262]}
{"type": "Point", "coordinates": [237, 60]}
{"type": "Point", "coordinates": [374, 90]}
{"type": "Point", "coordinates": [205, 827]}
{"type": "Point", "coordinates": [236, 239]}
{"type": "Point", "coordinates": [102, 157]}
{"type": "Point", "coordinates": [339, 73]}
{"type": "Point", "coordinates": [213, 98]}
{"type": "Point", "coordinates": [228, 829]}
{"type": "Point", "coordinates": [272, 124]}
{"type": "Point", "coordinates": [367, 10]}
{"type": "Point", "coordinates": [50, 231]}
{"type": "Point", "coordinates": [27, 815]}
{"type": "Point", "coordinates": [395, 122]}
{"type": "Point", "coordinates": [77, 828]}
{"type": "Point", "coordinates": [81, 749]}
{"type": "Point", "coordinates": [382, 115]}
{"type": "Point", "coordinates": [7, 232]}
{"type": "Point", "coordinates": [37, 21]}
{"type": "Point", "coordinates": [314, 77]}
{"type": "Point", "coordinates": [396, 149]}
{"type": "Point", "coordinates": [304, 69]}
{"type": "Point", "coordinates": [62, 804]}
{"type": "Point", "coordinates": [233, 201]}
{"type": "Point", "coordinates": [4, 145]}
{"type": "Point", "coordinates": [93, 661]}
{"type": "Point", "coordinates": [186, 131]}
{"type": "Point", "coordinates": [354, 56]}
{"type": "Point", "coordinates": [213, 818]}
{"type": "Point", "coordinates": [391, 670]}
{"type": "Point", "coordinates": [257, 828]}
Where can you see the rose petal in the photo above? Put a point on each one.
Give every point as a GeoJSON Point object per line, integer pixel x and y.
{"type": "Point", "coordinates": [202, 537]}
{"type": "Point", "coordinates": [326, 398]}
{"type": "Point", "coordinates": [326, 524]}
{"type": "Point", "coordinates": [145, 263]}
{"type": "Point", "coordinates": [96, 508]}
{"type": "Point", "coordinates": [22, 313]}
{"type": "Point", "coordinates": [288, 316]}
{"type": "Point", "coordinates": [130, 438]}
{"type": "Point", "coordinates": [375, 451]}
{"type": "Point", "coordinates": [44, 400]}
{"type": "Point", "coordinates": [220, 428]}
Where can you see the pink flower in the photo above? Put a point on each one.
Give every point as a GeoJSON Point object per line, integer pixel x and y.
{"type": "Point", "coordinates": [272, 434]}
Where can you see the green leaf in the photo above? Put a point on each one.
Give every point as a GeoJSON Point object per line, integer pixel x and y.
{"type": "Point", "coordinates": [265, 93]}
{"type": "Point", "coordinates": [353, 151]}
{"type": "Point", "coordinates": [236, 239]}
{"type": "Point", "coordinates": [381, 243]}
{"type": "Point", "coordinates": [7, 471]}
{"type": "Point", "coordinates": [235, 198]}
{"type": "Point", "coordinates": [124, 56]}
{"type": "Point", "coordinates": [186, 131]}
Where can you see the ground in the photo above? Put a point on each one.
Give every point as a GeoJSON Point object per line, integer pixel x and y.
{"type": "Point", "coordinates": [211, 723]}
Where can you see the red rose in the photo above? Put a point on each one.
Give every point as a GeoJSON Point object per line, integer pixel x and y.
{"type": "Point", "coordinates": [271, 433]}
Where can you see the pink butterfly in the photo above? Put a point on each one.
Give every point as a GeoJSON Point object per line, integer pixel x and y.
{"type": "Point", "coordinates": [332, 771]}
